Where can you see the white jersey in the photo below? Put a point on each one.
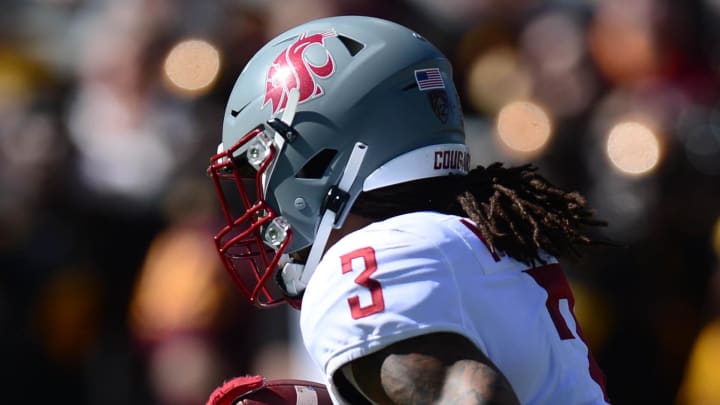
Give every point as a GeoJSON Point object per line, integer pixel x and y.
{"type": "Point", "coordinates": [425, 272]}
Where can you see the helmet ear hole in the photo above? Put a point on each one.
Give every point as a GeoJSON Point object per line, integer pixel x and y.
{"type": "Point", "coordinates": [317, 166]}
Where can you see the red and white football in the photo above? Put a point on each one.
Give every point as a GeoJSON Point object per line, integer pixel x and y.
{"type": "Point", "coordinates": [255, 390]}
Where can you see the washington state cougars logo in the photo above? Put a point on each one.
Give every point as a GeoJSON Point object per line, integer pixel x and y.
{"type": "Point", "coordinates": [290, 70]}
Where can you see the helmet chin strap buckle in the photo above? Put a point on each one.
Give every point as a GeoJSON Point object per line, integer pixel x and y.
{"type": "Point", "coordinates": [289, 279]}
{"type": "Point", "coordinates": [335, 200]}
{"type": "Point", "coordinates": [294, 277]}
{"type": "Point", "coordinates": [282, 128]}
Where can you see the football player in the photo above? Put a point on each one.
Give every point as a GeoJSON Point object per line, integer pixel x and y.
{"type": "Point", "coordinates": [348, 192]}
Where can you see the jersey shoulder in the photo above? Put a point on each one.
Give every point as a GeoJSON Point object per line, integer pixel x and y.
{"type": "Point", "coordinates": [426, 228]}
{"type": "Point", "coordinates": [395, 240]}
{"type": "Point", "coordinates": [450, 238]}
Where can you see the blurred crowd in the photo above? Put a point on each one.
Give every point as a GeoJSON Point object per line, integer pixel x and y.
{"type": "Point", "coordinates": [110, 288]}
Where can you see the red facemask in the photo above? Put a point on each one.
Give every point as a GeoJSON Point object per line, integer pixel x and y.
{"type": "Point", "coordinates": [244, 242]}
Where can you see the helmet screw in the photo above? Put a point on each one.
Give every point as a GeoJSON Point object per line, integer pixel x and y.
{"type": "Point", "coordinates": [300, 203]}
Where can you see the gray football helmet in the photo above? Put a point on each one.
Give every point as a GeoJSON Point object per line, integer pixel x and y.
{"type": "Point", "coordinates": [321, 113]}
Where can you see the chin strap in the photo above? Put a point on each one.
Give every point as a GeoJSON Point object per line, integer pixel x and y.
{"type": "Point", "coordinates": [295, 276]}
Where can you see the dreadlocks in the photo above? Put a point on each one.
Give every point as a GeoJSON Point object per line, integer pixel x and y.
{"type": "Point", "coordinates": [517, 211]}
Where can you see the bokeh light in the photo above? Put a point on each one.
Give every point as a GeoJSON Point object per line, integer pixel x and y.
{"type": "Point", "coordinates": [633, 148]}
{"type": "Point", "coordinates": [523, 127]}
{"type": "Point", "coordinates": [184, 369]}
{"type": "Point", "coordinates": [553, 42]}
{"type": "Point", "coordinates": [565, 94]}
{"type": "Point", "coordinates": [621, 40]}
{"type": "Point", "coordinates": [192, 66]}
{"type": "Point", "coordinates": [176, 288]}
{"type": "Point", "coordinates": [701, 139]}
{"type": "Point", "coordinates": [497, 77]}
{"type": "Point", "coordinates": [68, 312]}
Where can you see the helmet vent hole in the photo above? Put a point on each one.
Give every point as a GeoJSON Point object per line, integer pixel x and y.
{"type": "Point", "coordinates": [352, 45]}
{"type": "Point", "coordinates": [317, 166]}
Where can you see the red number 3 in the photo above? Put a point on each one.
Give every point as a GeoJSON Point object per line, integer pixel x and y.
{"type": "Point", "coordinates": [553, 280]}
{"type": "Point", "coordinates": [378, 303]}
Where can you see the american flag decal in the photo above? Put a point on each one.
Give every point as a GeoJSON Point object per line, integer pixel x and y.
{"type": "Point", "coordinates": [428, 79]}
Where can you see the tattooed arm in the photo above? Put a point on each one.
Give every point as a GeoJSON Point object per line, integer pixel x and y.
{"type": "Point", "coordinates": [440, 368]}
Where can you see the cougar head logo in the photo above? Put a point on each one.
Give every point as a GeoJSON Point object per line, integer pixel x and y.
{"type": "Point", "coordinates": [290, 71]}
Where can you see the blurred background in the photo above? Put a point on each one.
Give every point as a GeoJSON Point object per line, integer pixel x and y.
{"type": "Point", "coordinates": [110, 288]}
